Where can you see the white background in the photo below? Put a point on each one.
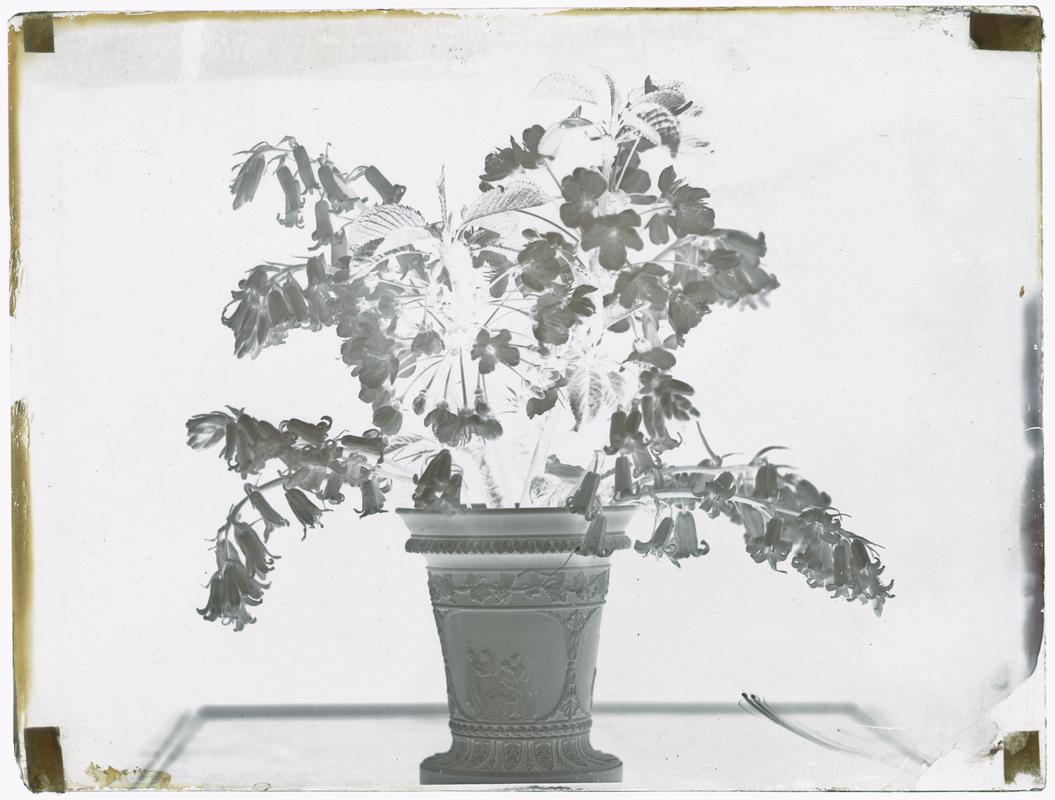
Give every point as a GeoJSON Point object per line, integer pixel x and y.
{"type": "Point", "coordinates": [894, 172]}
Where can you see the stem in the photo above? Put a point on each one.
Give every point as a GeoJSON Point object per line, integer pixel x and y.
{"type": "Point", "coordinates": [550, 171]}
{"type": "Point", "coordinates": [626, 163]}
{"type": "Point", "coordinates": [542, 445]}
{"type": "Point", "coordinates": [550, 222]}
{"type": "Point", "coordinates": [461, 367]}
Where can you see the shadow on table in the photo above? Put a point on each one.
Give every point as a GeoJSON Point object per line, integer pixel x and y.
{"type": "Point", "coordinates": [782, 714]}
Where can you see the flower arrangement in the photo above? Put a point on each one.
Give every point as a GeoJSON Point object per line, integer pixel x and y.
{"type": "Point", "coordinates": [564, 296]}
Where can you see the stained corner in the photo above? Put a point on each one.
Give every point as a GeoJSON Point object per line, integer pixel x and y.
{"type": "Point", "coordinates": [1007, 32]}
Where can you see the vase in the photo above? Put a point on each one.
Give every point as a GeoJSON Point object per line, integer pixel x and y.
{"type": "Point", "coordinates": [519, 616]}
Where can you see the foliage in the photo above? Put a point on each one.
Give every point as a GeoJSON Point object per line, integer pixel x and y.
{"type": "Point", "coordinates": [565, 293]}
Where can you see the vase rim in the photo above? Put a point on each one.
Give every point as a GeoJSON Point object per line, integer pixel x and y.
{"type": "Point", "coordinates": [515, 510]}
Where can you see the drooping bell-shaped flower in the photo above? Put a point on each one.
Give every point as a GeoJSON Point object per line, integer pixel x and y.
{"type": "Point", "coordinates": [624, 479]}
{"type": "Point", "coordinates": [655, 545]}
{"type": "Point", "coordinates": [307, 175]}
{"type": "Point", "coordinates": [258, 561]}
{"type": "Point", "coordinates": [373, 498]}
{"type": "Point", "coordinates": [247, 180]}
{"type": "Point", "coordinates": [272, 519]}
{"type": "Point", "coordinates": [323, 233]}
{"type": "Point", "coordinates": [294, 202]}
{"type": "Point", "coordinates": [683, 541]}
{"type": "Point", "coordinates": [584, 501]}
{"type": "Point", "coordinates": [593, 543]}
{"type": "Point", "coordinates": [307, 513]}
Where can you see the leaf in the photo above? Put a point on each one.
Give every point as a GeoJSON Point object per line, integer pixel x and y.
{"type": "Point", "coordinates": [563, 86]}
{"type": "Point", "coordinates": [613, 92]}
{"type": "Point", "coordinates": [380, 222]}
{"type": "Point", "coordinates": [657, 357]}
{"type": "Point", "coordinates": [654, 123]}
{"type": "Point", "coordinates": [552, 138]}
{"type": "Point", "coordinates": [537, 406]}
{"type": "Point", "coordinates": [511, 197]}
{"type": "Point", "coordinates": [591, 393]}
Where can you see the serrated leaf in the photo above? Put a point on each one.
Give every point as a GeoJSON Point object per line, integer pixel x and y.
{"type": "Point", "coordinates": [670, 98]}
{"type": "Point", "coordinates": [591, 393]}
{"type": "Point", "coordinates": [510, 197]}
{"type": "Point", "coordinates": [613, 92]}
{"type": "Point", "coordinates": [564, 86]}
{"type": "Point", "coordinates": [654, 123]}
{"type": "Point", "coordinates": [381, 222]}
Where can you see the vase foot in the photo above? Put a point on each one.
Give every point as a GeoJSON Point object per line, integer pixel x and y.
{"type": "Point", "coordinates": [540, 759]}
{"type": "Point", "coordinates": [613, 773]}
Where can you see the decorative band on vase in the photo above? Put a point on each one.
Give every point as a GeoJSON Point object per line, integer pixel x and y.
{"type": "Point", "coordinates": [521, 730]}
{"type": "Point", "coordinates": [452, 545]}
{"type": "Point", "coordinates": [529, 587]}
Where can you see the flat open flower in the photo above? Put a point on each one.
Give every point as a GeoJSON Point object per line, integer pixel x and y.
{"type": "Point", "coordinates": [612, 235]}
{"type": "Point", "coordinates": [581, 191]}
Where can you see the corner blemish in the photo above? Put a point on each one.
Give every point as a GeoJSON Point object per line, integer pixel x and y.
{"type": "Point", "coordinates": [21, 564]}
{"type": "Point", "coordinates": [113, 778]}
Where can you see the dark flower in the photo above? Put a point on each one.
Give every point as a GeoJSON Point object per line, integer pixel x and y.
{"type": "Point", "coordinates": [714, 495]}
{"type": "Point", "coordinates": [373, 498]}
{"type": "Point", "coordinates": [438, 488]}
{"type": "Point", "coordinates": [388, 418]}
{"type": "Point", "coordinates": [688, 213]}
{"type": "Point", "coordinates": [231, 590]}
{"type": "Point", "coordinates": [323, 233]}
{"type": "Point", "coordinates": [307, 175]}
{"type": "Point", "coordinates": [205, 430]}
{"type": "Point", "coordinates": [250, 443]}
{"type": "Point", "coordinates": [626, 439]}
{"type": "Point", "coordinates": [635, 180]}
{"type": "Point", "coordinates": [581, 191]}
{"type": "Point", "coordinates": [458, 428]}
{"type": "Point", "coordinates": [648, 282]}
{"type": "Point", "coordinates": [491, 350]}
{"type": "Point", "coordinates": [247, 180]}
{"type": "Point", "coordinates": [312, 433]}
{"type": "Point", "coordinates": [593, 543]}
{"type": "Point", "coordinates": [625, 486]}
{"type": "Point", "coordinates": [536, 406]}
{"type": "Point", "coordinates": [655, 546]}
{"type": "Point", "coordinates": [258, 561]}
{"type": "Point", "coordinates": [613, 234]}
{"type": "Point", "coordinates": [662, 398]}
{"type": "Point", "coordinates": [770, 546]}
{"type": "Point", "coordinates": [272, 519]}
{"type": "Point", "coordinates": [370, 443]}
{"type": "Point", "coordinates": [294, 201]}
{"type": "Point", "coordinates": [555, 315]}
{"type": "Point", "coordinates": [337, 190]}
{"type": "Point", "coordinates": [683, 542]}
{"type": "Point", "coordinates": [545, 262]}
{"type": "Point", "coordinates": [307, 513]}
{"type": "Point", "coordinates": [371, 353]}
{"type": "Point", "coordinates": [504, 161]}
{"type": "Point", "coordinates": [585, 501]}
{"type": "Point", "coordinates": [427, 343]}
{"type": "Point", "coordinates": [766, 482]}
{"type": "Point", "coordinates": [389, 193]}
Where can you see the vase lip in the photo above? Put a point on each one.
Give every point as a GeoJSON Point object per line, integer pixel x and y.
{"type": "Point", "coordinates": [514, 510]}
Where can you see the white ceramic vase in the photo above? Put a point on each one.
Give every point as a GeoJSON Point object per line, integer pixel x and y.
{"type": "Point", "coordinates": [519, 618]}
